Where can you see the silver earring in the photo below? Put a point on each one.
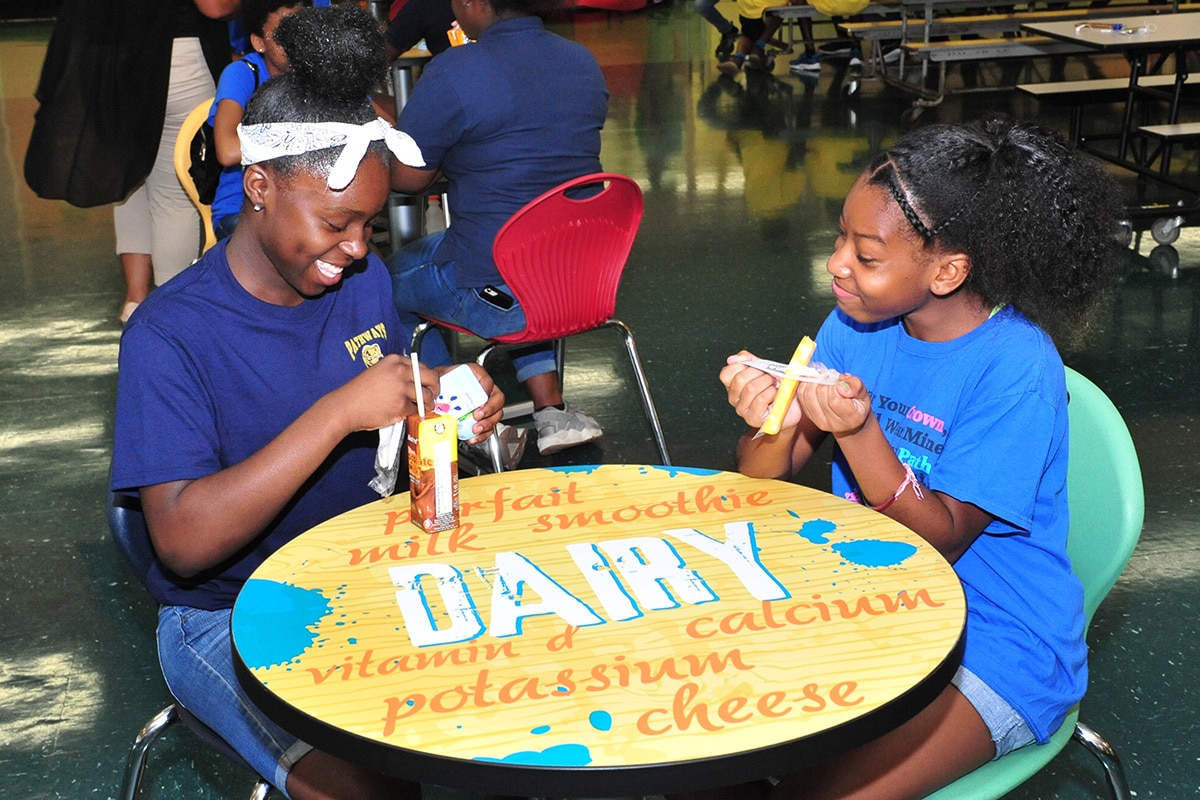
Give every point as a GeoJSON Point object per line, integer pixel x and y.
{"type": "Point", "coordinates": [258, 207]}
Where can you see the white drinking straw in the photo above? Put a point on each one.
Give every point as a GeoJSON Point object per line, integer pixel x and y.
{"type": "Point", "coordinates": [417, 380]}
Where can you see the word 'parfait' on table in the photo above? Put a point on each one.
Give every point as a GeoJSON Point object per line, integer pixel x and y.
{"type": "Point", "coordinates": [593, 616]}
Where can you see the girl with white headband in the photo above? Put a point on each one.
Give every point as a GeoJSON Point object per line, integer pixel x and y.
{"type": "Point", "coordinates": [251, 387]}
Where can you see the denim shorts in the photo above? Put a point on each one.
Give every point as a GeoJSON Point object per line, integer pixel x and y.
{"type": "Point", "coordinates": [194, 650]}
{"type": "Point", "coordinates": [1008, 729]}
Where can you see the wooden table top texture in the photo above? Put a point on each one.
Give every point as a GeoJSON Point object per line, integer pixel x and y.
{"type": "Point", "coordinates": [603, 617]}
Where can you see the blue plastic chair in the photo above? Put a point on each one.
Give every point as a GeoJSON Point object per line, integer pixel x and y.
{"type": "Point", "coordinates": [128, 529]}
{"type": "Point", "coordinates": [1104, 487]}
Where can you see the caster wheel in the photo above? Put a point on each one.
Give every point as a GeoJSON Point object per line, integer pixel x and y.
{"type": "Point", "coordinates": [1165, 259]}
{"type": "Point", "coordinates": [1125, 236]}
{"type": "Point", "coordinates": [1165, 230]}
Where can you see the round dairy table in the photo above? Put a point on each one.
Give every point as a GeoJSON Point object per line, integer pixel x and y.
{"type": "Point", "coordinates": [601, 631]}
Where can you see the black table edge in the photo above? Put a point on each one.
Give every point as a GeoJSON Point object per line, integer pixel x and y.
{"type": "Point", "coordinates": [620, 781]}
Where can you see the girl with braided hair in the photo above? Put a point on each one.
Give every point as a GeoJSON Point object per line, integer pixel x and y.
{"type": "Point", "coordinates": [252, 386]}
{"type": "Point", "coordinates": [958, 248]}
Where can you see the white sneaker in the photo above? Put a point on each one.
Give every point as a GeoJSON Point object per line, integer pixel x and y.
{"type": "Point", "coordinates": [892, 56]}
{"type": "Point", "coordinates": [558, 430]}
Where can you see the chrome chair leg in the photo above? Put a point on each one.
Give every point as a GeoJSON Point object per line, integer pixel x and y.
{"type": "Point", "coordinates": [560, 359]}
{"type": "Point", "coordinates": [135, 765]}
{"type": "Point", "coordinates": [1102, 750]}
{"type": "Point", "coordinates": [418, 335]}
{"type": "Point", "coordinates": [635, 361]}
{"type": "Point", "coordinates": [494, 441]}
{"type": "Point", "coordinates": [643, 385]}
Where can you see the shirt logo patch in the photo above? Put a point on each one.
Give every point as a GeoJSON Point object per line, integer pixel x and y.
{"type": "Point", "coordinates": [372, 354]}
{"type": "Point", "coordinates": [364, 341]}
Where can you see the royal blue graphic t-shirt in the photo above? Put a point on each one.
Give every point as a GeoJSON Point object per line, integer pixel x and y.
{"type": "Point", "coordinates": [983, 419]}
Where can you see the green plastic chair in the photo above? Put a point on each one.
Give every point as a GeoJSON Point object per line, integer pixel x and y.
{"type": "Point", "coordinates": [1104, 486]}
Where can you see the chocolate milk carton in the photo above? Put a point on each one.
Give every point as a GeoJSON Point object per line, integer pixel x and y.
{"type": "Point", "coordinates": [433, 471]}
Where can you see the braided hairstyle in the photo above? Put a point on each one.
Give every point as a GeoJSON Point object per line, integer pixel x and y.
{"type": "Point", "coordinates": [337, 58]}
{"type": "Point", "coordinates": [1038, 219]}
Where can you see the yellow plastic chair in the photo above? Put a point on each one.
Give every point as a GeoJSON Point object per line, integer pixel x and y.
{"type": "Point", "coordinates": [183, 160]}
{"type": "Point", "coordinates": [1104, 494]}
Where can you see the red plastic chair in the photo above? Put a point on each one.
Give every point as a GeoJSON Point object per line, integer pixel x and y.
{"type": "Point", "coordinates": [562, 258]}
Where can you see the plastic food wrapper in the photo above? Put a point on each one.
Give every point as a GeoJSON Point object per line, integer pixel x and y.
{"type": "Point", "coordinates": [815, 372]}
{"type": "Point", "coordinates": [461, 394]}
{"type": "Point", "coordinates": [387, 459]}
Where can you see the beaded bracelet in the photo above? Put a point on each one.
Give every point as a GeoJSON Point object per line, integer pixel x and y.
{"type": "Point", "coordinates": [909, 479]}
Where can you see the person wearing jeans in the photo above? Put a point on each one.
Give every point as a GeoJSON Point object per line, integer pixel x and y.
{"type": "Point", "coordinates": [504, 119]}
{"type": "Point", "coordinates": [728, 31]}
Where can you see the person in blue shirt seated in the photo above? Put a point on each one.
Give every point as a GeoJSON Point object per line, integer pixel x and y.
{"type": "Point", "coordinates": [251, 388]}
{"type": "Point", "coordinates": [505, 119]}
{"type": "Point", "coordinates": [266, 59]}
{"type": "Point", "coordinates": [958, 249]}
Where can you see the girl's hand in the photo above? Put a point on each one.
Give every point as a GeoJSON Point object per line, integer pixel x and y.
{"type": "Point", "coordinates": [752, 391]}
{"type": "Point", "coordinates": [488, 415]}
{"type": "Point", "coordinates": [841, 409]}
{"type": "Point", "coordinates": [385, 393]}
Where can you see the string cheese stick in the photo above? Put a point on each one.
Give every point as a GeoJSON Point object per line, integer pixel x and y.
{"type": "Point", "coordinates": [787, 388]}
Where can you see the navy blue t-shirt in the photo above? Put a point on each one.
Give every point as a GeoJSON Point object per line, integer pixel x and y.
{"type": "Point", "coordinates": [209, 374]}
{"type": "Point", "coordinates": [506, 118]}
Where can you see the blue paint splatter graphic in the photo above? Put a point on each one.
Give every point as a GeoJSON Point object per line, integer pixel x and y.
{"type": "Point", "coordinates": [280, 615]}
{"type": "Point", "coordinates": [540, 729]}
{"type": "Point", "coordinates": [875, 553]}
{"type": "Point", "coordinates": [560, 755]}
{"type": "Point", "coordinates": [815, 530]}
{"type": "Point", "coordinates": [600, 720]}
{"type": "Point", "coordinates": [675, 472]}
{"type": "Point", "coordinates": [585, 469]}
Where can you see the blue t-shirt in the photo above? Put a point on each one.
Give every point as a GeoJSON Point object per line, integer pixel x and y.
{"type": "Point", "coordinates": [238, 82]}
{"type": "Point", "coordinates": [209, 375]}
{"type": "Point", "coordinates": [983, 419]}
{"type": "Point", "coordinates": [506, 118]}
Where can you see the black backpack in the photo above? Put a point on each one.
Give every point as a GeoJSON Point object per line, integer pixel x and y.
{"type": "Point", "coordinates": [205, 169]}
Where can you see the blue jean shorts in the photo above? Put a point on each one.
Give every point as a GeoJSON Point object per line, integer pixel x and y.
{"type": "Point", "coordinates": [195, 652]}
{"type": "Point", "coordinates": [1008, 729]}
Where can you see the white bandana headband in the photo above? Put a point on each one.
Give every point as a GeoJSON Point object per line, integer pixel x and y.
{"type": "Point", "coordinates": [276, 139]}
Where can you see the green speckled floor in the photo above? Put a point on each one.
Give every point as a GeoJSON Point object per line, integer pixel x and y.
{"type": "Point", "coordinates": [743, 184]}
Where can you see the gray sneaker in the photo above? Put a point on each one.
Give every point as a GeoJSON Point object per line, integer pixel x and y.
{"type": "Point", "coordinates": [512, 447]}
{"type": "Point", "coordinates": [558, 430]}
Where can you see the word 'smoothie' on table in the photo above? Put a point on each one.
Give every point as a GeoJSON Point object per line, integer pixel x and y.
{"type": "Point", "coordinates": [603, 616]}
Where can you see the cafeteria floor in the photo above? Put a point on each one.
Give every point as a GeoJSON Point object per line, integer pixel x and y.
{"type": "Point", "coordinates": [743, 181]}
